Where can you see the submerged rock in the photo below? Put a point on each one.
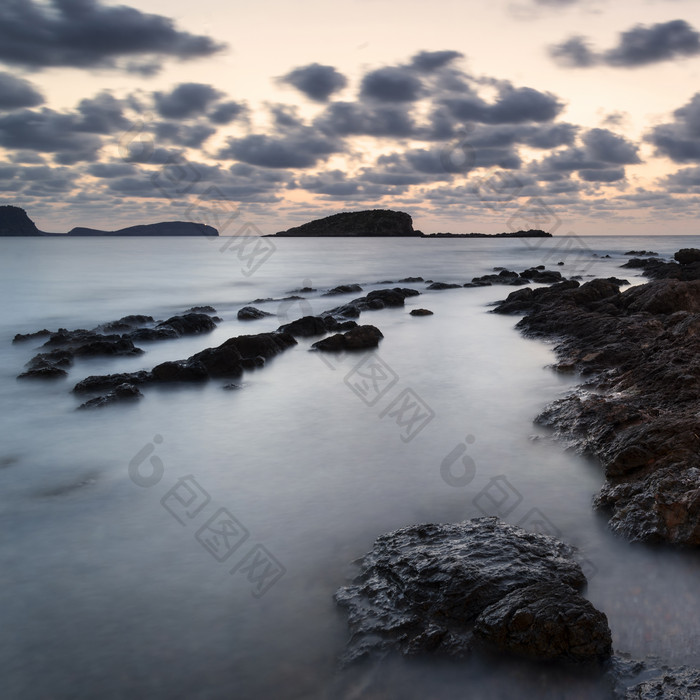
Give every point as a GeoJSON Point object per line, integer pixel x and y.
{"type": "Point", "coordinates": [250, 313]}
{"type": "Point", "coordinates": [446, 588]}
{"type": "Point", "coordinates": [421, 312]}
{"type": "Point", "coordinates": [121, 392]}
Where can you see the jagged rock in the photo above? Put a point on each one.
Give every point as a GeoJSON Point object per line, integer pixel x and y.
{"type": "Point", "coordinates": [359, 338]}
{"type": "Point", "coordinates": [152, 334]}
{"type": "Point", "coordinates": [422, 588]}
{"type": "Point", "coordinates": [250, 313]}
{"type": "Point", "coordinates": [546, 622]}
{"type": "Point", "coordinates": [95, 383]}
{"type": "Point", "coordinates": [125, 323]}
{"type": "Point", "coordinates": [686, 256]}
{"type": "Point", "coordinates": [411, 280]}
{"type": "Point", "coordinates": [180, 371]}
{"type": "Point", "coordinates": [640, 252]}
{"type": "Point", "coordinates": [308, 326]}
{"type": "Point", "coordinates": [201, 310]}
{"type": "Point", "coordinates": [421, 312]}
{"type": "Point", "coordinates": [46, 371]}
{"type": "Point", "coordinates": [23, 337]}
{"type": "Point", "coordinates": [120, 393]}
{"type": "Point", "coordinates": [376, 299]}
{"type": "Point", "coordinates": [669, 684]}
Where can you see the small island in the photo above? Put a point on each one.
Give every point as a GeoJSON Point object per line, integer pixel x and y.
{"type": "Point", "coordinates": [14, 221]}
{"type": "Point", "coordinates": [376, 223]}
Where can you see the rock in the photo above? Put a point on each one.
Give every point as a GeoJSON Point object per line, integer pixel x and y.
{"type": "Point", "coordinates": [222, 361]}
{"type": "Point", "coordinates": [343, 289]}
{"type": "Point", "coordinates": [638, 414]}
{"type": "Point", "coordinates": [250, 313]}
{"type": "Point", "coordinates": [685, 256]}
{"type": "Point", "coordinates": [309, 326]}
{"type": "Point", "coordinates": [423, 588]}
{"type": "Point", "coordinates": [503, 277]}
{"type": "Point", "coordinates": [411, 280]}
{"type": "Point", "coordinates": [189, 324]}
{"type": "Point", "coordinates": [669, 684]}
{"type": "Point", "coordinates": [125, 323]}
{"type": "Point", "coordinates": [95, 383]}
{"type": "Point", "coordinates": [547, 622]}
{"type": "Point", "coordinates": [443, 285]}
{"type": "Point", "coordinates": [376, 299]}
{"type": "Point", "coordinates": [421, 312]}
{"type": "Point", "coordinates": [120, 393]}
{"type": "Point", "coordinates": [107, 345]}
{"type": "Point", "coordinates": [43, 372]}
{"type": "Point", "coordinates": [542, 276]}
{"type": "Point", "coordinates": [374, 223]}
{"type": "Point", "coordinates": [359, 338]}
{"type": "Point", "coordinates": [15, 222]}
{"type": "Point", "coordinates": [24, 337]}
{"type": "Point", "coordinates": [180, 371]}
{"type": "Point", "coordinates": [640, 252]}
{"type": "Point", "coordinates": [201, 310]}
{"type": "Point", "coordinates": [264, 345]}
{"type": "Point", "coordinates": [152, 334]}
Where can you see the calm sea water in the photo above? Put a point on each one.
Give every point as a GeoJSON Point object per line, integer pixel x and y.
{"type": "Point", "coordinates": [113, 588]}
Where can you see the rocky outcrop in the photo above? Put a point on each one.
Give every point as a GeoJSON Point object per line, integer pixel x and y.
{"type": "Point", "coordinates": [229, 359]}
{"type": "Point", "coordinates": [638, 413]}
{"type": "Point", "coordinates": [122, 392]}
{"type": "Point", "coordinates": [445, 589]}
{"type": "Point", "coordinates": [668, 684]}
{"type": "Point", "coordinates": [358, 338]}
{"type": "Point", "coordinates": [375, 300]}
{"type": "Point", "coordinates": [421, 312]}
{"type": "Point", "coordinates": [373, 223]}
{"type": "Point", "coordinates": [14, 221]}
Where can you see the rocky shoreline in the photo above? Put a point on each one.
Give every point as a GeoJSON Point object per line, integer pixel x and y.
{"type": "Point", "coordinates": [637, 412]}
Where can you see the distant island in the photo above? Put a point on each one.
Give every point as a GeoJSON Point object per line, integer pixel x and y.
{"type": "Point", "coordinates": [376, 223]}
{"type": "Point", "coordinates": [14, 221]}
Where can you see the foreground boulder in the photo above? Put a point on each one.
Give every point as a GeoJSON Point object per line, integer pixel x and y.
{"type": "Point", "coordinates": [443, 589]}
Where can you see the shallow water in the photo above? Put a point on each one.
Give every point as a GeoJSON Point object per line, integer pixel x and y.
{"type": "Point", "coordinates": [108, 591]}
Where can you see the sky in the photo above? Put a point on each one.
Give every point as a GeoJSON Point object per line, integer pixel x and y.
{"type": "Point", "coordinates": [574, 116]}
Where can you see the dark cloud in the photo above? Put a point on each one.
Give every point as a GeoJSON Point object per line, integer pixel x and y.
{"type": "Point", "coordinates": [226, 112]}
{"type": "Point", "coordinates": [639, 46]}
{"type": "Point", "coordinates": [356, 119]}
{"type": "Point", "coordinates": [603, 145]}
{"type": "Point", "coordinates": [575, 52]}
{"type": "Point", "coordinates": [16, 93]}
{"type": "Point", "coordinates": [513, 106]}
{"type": "Point", "coordinates": [103, 114]}
{"type": "Point", "coordinates": [604, 175]}
{"type": "Point", "coordinates": [190, 136]}
{"type": "Point", "coordinates": [429, 61]}
{"type": "Point", "coordinates": [48, 131]}
{"type": "Point", "coordinates": [300, 149]}
{"type": "Point", "coordinates": [685, 181]}
{"type": "Point", "coordinates": [111, 170]}
{"type": "Point", "coordinates": [316, 81]}
{"type": "Point", "coordinates": [391, 84]}
{"type": "Point", "coordinates": [680, 140]}
{"type": "Point", "coordinates": [186, 100]}
{"type": "Point", "coordinates": [88, 34]}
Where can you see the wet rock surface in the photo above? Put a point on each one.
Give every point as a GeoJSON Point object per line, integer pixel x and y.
{"type": "Point", "coordinates": [421, 312]}
{"type": "Point", "coordinates": [639, 412]}
{"type": "Point", "coordinates": [121, 392]}
{"type": "Point", "coordinates": [250, 313]}
{"type": "Point", "coordinates": [375, 300]}
{"type": "Point", "coordinates": [444, 589]}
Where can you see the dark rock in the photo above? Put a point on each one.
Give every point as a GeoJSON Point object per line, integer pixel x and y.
{"type": "Point", "coordinates": [375, 223]}
{"type": "Point", "coordinates": [639, 415]}
{"type": "Point", "coordinates": [422, 589]}
{"type": "Point", "coordinates": [309, 326]}
{"type": "Point", "coordinates": [180, 371]}
{"type": "Point", "coordinates": [125, 323]}
{"type": "Point", "coordinates": [15, 222]}
{"type": "Point", "coordinates": [640, 252]}
{"type": "Point", "coordinates": [222, 361]}
{"type": "Point", "coordinates": [107, 345]}
{"type": "Point", "coordinates": [58, 358]}
{"type": "Point", "coordinates": [686, 256]}
{"type": "Point", "coordinates": [333, 324]}
{"type": "Point", "coordinates": [411, 280]}
{"type": "Point", "coordinates": [546, 622]}
{"type": "Point", "coordinates": [669, 684]}
{"type": "Point", "coordinates": [23, 337]}
{"type": "Point", "coordinates": [343, 289]}
{"type": "Point", "coordinates": [443, 285]}
{"type": "Point", "coordinates": [264, 345]}
{"type": "Point", "coordinates": [477, 284]}
{"type": "Point", "coordinates": [189, 324]}
{"type": "Point", "coordinates": [231, 387]}
{"type": "Point", "coordinates": [95, 383]}
{"type": "Point", "coordinates": [120, 393]}
{"type": "Point", "coordinates": [201, 310]}
{"type": "Point", "coordinates": [250, 313]}
{"type": "Point", "coordinates": [542, 276]}
{"type": "Point", "coordinates": [359, 338]}
{"type": "Point", "coordinates": [152, 334]}
{"type": "Point", "coordinates": [46, 371]}
{"type": "Point", "coordinates": [376, 299]}
{"type": "Point", "coordinates": [421, 312]}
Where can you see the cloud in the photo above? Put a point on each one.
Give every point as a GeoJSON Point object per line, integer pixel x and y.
{"type": "Point", "coordinates": [111, 170]}
{"type": "Point", "coordinates": [103, 114]}
{"type": "Point", "coordinates": [608, 147]}
{"type": "Point", "coordinates": [48, 131]}
{"type": "Point", "coordinates": [186, 100]}
{"type": "Point", "coordinates": [513, 106]}
{"type": "Point", "coordinates": [351, 118]}
{"type": "Point", "coordinates": [430, 61]}
{"type": "Point", "coordinates": [88, 34]}
{"type": "Point", "coordinates": [679, 140]}
{"type": "Point", "coordinates": [16, 93]}
{"type": "Point", "coordinates": [391, 84]}
{"type": "Point", "coordinates": [316, 81]}
{"type": "Point", "coordinates": [642, 45]}
{"type": "Point", "coordinates": [301, 149]}
{"type": "Point", "coordinates": [226, 112]}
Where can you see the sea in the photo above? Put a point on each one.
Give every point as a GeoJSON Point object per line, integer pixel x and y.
{"type": "Point", "coordinates": [188, 545]}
